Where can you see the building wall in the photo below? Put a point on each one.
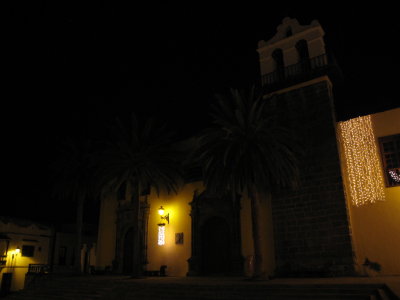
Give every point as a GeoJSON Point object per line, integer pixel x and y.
{"type": "Point", "coordinates": [106, 241]}
{"type": "Point", "coordinates": [173, 255]}
{"type": "Point", "coordinates": [64, 252]}
{"type": "Point", "coordinates": [66, 243]}
{"type": "Point", "coordinates": [376, 226]}
{"type": "Point", "coordinates": [311, 226]}
{"type": "Point", "coordinates": [306, 231]}
{"type": "Point", "coordinates": [24, 234]}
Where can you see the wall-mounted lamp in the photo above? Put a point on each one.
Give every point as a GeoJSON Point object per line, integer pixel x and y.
{"type": "Point", "coordinates": [15, 252]}
{"type": "Point", "coordinates": [161, 213]}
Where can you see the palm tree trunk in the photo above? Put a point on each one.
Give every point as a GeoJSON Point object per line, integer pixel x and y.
{"type": "Point", "coordinates": [256, 232]}
{"type": "Point", "coordinates": [136, 270]}
{"type": "Point", "coordinates": [79, 228]}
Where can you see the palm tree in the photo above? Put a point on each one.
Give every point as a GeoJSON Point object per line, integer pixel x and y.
{"type": "Point", "coordinates": [141, 156]}
{"type": "Point", "coordinates": [72, 177]}
{"type": "Point", "coordinates": [247, 151]}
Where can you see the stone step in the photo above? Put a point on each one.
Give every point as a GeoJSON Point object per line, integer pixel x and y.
{"type": "Point", "coordinates": [97, 288]}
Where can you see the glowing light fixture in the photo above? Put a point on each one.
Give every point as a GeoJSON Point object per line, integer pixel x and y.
{"type": "Point", "coordinates": [161, 210]}
{"type": "Point", "coordinates": [366, 183]}
{"type": "Point", "coordinates": [161, 234]}
{"type": "Point", "coordinates": [17, 250]}
{"type": "Point", "coordinates": [161, 213]}
{"type": "Point", "coordinates": [394, 175]}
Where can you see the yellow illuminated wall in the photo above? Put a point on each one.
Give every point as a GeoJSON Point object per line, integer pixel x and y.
{"type": "Point", "coordinates": [376, 225]}
{"type": "Point", "coordinates": [23, 233]}
{"type": "Point", "coordinates": [173, 255]}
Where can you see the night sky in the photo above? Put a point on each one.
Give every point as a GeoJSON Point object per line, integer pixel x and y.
{"type": "Point", "coordinates": [72, 66]}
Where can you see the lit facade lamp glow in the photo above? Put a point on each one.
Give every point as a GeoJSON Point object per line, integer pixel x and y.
{"type": "Point", "coordinates": [161, 213]}
{"type": "Point", "coordinates": [161, 234]}
{"type": "Point", "coordinates": [15, 252]}
{"type": "Point", "coordinates": [364, 170]}
{"type": "Point", "coordinates": [161, 210]}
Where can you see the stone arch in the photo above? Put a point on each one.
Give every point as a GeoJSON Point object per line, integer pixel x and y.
{"type": "Point", "coordinates": [302, 49]}
{"type": "Point", "coordinates": [304, 55]}
{"type": "Point", "coordinates": [289, 31]}
{"type": "Point", "coordinates": [277, 56]}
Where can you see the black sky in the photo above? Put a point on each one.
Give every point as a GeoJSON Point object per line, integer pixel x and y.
{"type": "Point", "coordinates": [73, 66]}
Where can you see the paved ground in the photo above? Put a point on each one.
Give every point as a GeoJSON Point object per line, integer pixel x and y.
{"type": "Point", "coordinates": [212, 288]}
{"type": "Point", "coordinates": [393, 282]}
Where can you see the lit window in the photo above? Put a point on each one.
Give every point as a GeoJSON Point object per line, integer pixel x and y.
{"type": "Point", "coordinates": [390, 153]}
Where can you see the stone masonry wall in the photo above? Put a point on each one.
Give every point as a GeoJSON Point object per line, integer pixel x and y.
{"type": "Point", "coordinates": [311, 226]}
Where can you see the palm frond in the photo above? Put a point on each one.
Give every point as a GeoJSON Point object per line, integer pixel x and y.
{"type": "Point", "coordinates": [247, 148]}
{"type": "Point", "coordinates": [143, 155]}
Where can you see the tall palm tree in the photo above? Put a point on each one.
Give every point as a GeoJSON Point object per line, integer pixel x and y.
{"type": "Point", "coordinates": [72, 181]}
{"type": "Point", "coordinates": [141, 156]}
{"type": "Point", "coordinates": [247, 151]}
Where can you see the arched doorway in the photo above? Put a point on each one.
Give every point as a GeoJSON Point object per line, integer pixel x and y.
{"type": "Point", "coordinates": [127, 266]}
{"type": "Point", "coordinates": [215, 252]}
{"type": "Point", "coordinates": [126, 228]}
{"type": "Point", "coordinates": [216, 241]}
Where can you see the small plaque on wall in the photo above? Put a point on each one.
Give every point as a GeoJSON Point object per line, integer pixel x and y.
{"type": "Point", "coordinates": [179, 238]}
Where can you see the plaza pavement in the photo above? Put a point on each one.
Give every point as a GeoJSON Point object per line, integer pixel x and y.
{"type": "Point", "coordinates": [97, 287]}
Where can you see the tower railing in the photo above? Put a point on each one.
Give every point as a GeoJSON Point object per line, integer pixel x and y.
{"type": "Point", "coordinates": [38, 269]}
{"type": "Point", "coordinates": [302, 69]}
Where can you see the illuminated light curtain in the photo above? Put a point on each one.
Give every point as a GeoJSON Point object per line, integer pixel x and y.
{"type": "Point", "coordinates": [161, 235]}
{"type": "Point", "coordinates": [364, 170]}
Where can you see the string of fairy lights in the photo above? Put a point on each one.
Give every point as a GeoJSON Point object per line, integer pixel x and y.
{"type": "Point", "coordinates": [366, 183]}
{"type": "Point", "coordinates": [161, 234]}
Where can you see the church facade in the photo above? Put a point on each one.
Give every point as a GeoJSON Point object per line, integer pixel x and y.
{"type": "Point", "coordinates": [340, 221]}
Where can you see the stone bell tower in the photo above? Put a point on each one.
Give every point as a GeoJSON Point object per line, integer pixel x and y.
{"type": "Point", "coordinates": [312, 234]}
{"type": "Point", "coordinates": [296, 53]}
